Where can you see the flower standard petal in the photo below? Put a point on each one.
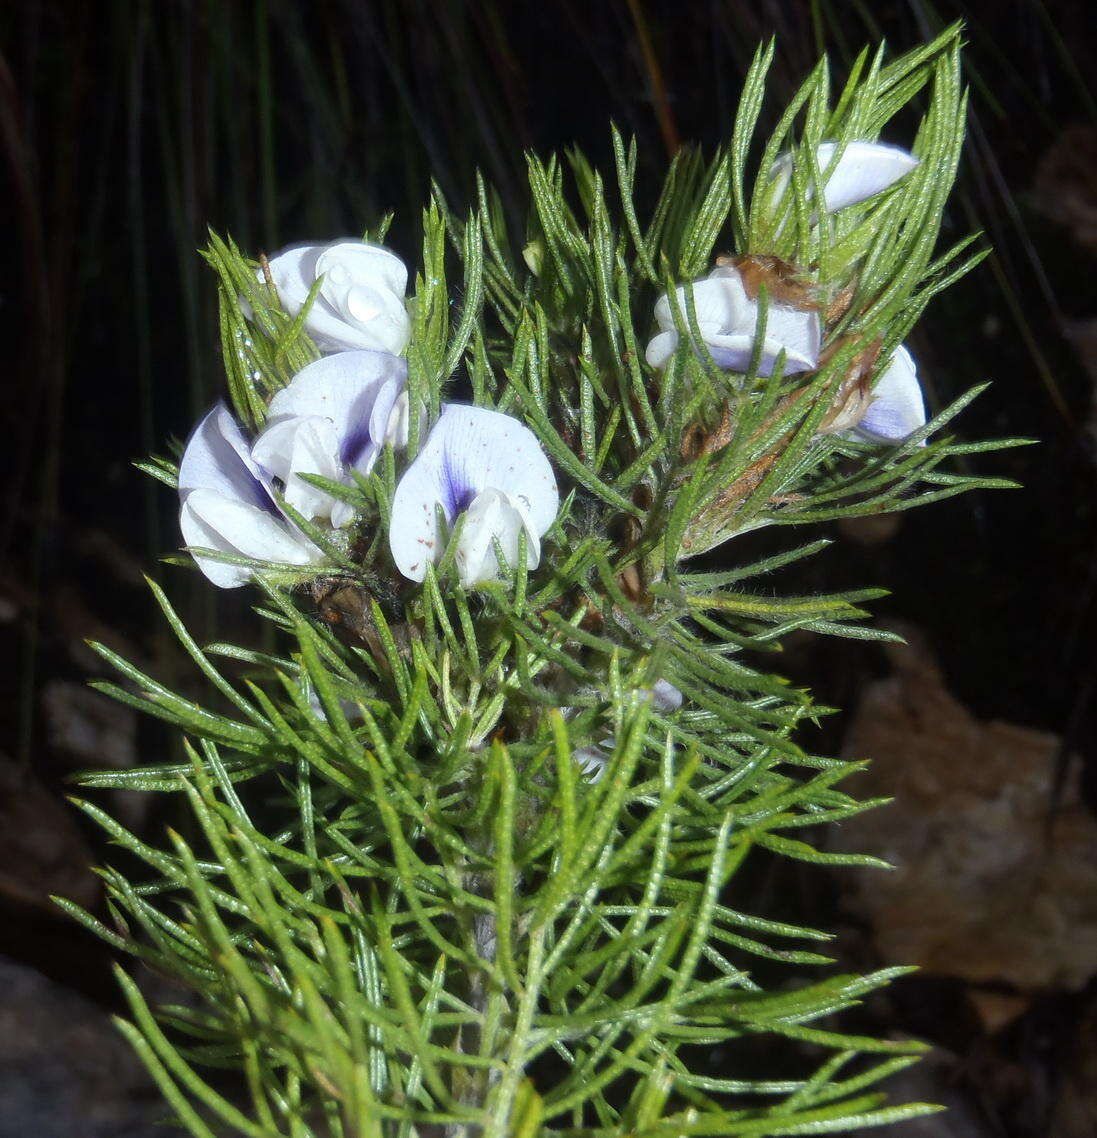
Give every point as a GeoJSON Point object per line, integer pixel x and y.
{"type": "Point", "coordinates": [717, 302]}
{"type": "Point", "coordinates": [863, 170]}
{"type": "Point", "coordinates": [471, 449]}
{"type": "Point", "coordinates": [898, 407]}
{"type": "Point", "coordinates": [345, 388]}
{"type": "Point", "coordinates": [344, 263]}
{"type": "Point", "coordinates": [293, 271]}
{"type": "Point", "coordinates": [361, 299]}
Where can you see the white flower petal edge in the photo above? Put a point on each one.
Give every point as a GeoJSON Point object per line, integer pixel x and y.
{"type": "Point", "coordinates": [898, 408]}
{"type": "Point", "coordinates": [728, 322]}
{"type": "Point", "coordinates": [472, 450]}
{"type": "Point", "coordinates": [361, 298]}
{"type": "Point", "coordinates": [864, 170]}
{"type": "Point", "coordinates": [215, 521]}
{"type": "Point", "coordinates": [226, 504]}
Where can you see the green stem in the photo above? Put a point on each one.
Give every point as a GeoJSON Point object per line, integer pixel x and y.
{"type": "Point", "coordinates": [507, 1088]}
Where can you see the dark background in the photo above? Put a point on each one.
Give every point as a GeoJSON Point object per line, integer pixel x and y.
{"type": "Point", "coordinates": [127, 127]}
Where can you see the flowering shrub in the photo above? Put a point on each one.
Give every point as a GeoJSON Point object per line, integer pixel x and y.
{"type": "Point", "coordinates": [467, 844]}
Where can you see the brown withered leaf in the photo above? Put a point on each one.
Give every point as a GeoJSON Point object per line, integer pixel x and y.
{"type": "Point", "coordinates": [989, 885]}
{"type": "Point", "coordinates": [697, 441]}
{"type": "Point", "coordinates": [42, 850]}
{"type": "Point", "coordinates": [1066, 183]}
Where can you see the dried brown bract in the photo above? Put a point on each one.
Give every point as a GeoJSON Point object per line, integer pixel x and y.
{"type": "Point", "coordinates": [854, 393]}
{"type": "Point", "coordinates": [784, 282]}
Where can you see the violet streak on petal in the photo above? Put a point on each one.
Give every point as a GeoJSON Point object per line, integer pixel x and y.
{"type": "Point", "coordinates": [300, 445]}
{"type": "Point", "coordinates": [472, 450]}
{"type": "Point", "coordinates": [217, 457]}
{"type": "Point", "coordinates": [356, 391]}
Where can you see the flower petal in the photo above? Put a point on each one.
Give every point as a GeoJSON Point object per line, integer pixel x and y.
{"type": "Point", "coordinates": [898, 408]}
{"type": "Point", "coordinates": [217, 457]}
{"type": "Point", "coordinates": [592, 761]}
{"type": "Point", "coordinates": [727, 321]}
{"type": "Point", "coordinates": [348, 262]}
{"type": "Point", "coordinates": [734, 352]}
{"type": "Point", "coordinates": [717, 301]}
{"type": "Point", "coordinates": [212, 520]}
{"type": "Point", "coordinates": [662, 346]}
{"type": "Point", "coordinates": [388, 421]}
{"type": "Point", "coordinates": [332, 320]}
{"type": "Point", "coordinates": [471, 449]}
{"type": "Point", "coordinates": [864, 170]}
{"type": "Point", "coordinates": [293, 271]}
{"type": "Point", "coordinates": [344, 388]}
{"type": "Point", "coordinates": [665, 697]}
{"type": "Point", "coordinates": [796, 331]}
{"type": "Point", "coordinates": [397, 423]}
{"type": "Point", "coordinates": [492, 514]}
{"type": "Point", "coordinates": [364, 285]}
{"type": "Point", "coordinates": [718, 304]}
{"type": "Point", "coordinates": [298, 445]}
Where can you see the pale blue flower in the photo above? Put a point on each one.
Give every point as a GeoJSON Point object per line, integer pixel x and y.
{"type": "Point", "coordinates": [897, 409]}
{"type": "Point", "coordinates": [727, 320]}
{"type": "Point", "coordinates": [488, 468]}
{"type": "Point", "coordinates": [592, 760]}
{"type": "Point", "coordinates": [333, 418]}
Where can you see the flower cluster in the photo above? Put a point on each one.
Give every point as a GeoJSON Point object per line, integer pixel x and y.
{"type": "Point", "coordinates": [483, 471]}
{"type": "Point", "coordinates": [481, 479]}
{"type": "Point", "coordinates": [727, 316]}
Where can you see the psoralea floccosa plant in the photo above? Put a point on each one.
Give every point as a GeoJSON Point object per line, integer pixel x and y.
{"type": "Point", "coordinates": [468, 840]}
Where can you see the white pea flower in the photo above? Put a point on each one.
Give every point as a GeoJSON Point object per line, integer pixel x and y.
{"type": "Point", "coordinates": [863, 170]}
{"type": "Point", "coordinates": [488, 467]}
{"type": "Point", "coordinates": [897, 409]}
{"type": "Point", "coordinates": [227, 504]}
{"type": "Point", "coordinates": [361, 300]}
{"type": "Point", "coordinates": [332, 418]}
{"type": "Point", "coordinates": [728, 322]}
{"type": "Point", "coordinates": [665, 698]}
